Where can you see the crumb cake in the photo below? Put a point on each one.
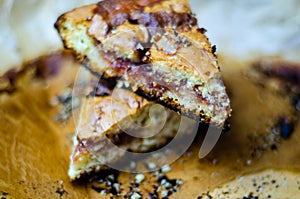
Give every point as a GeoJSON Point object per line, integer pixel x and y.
{"type": "Point", "coordinates": [153, 47]}
{"type": "Point", "coordinates": [119, 119]}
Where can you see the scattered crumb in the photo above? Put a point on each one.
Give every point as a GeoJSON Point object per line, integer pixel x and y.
{"type": "Point", "coordinates": [151, 166]}
{"type": "Point", "coordinates": [60, 190]}
{"type": "Point", "coordinates": [162, 186]}
{"type": "Point", "coordinates": [139, 178]}
{"type": "Point", "coordinates": [165, 169]}
{"type": "Point", "coordinates": [135, 196]}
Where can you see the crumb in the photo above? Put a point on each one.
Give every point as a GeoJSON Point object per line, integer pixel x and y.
{"type": "Point", "coordinates": [135, 196]}
{"type": "Point", "coordinates": [249, 162]}
{"type": "Point", "coordinates": [139, 178]}
{"type": "Point", "coordinates": [165, 169]}
{"type": "Point", "coordinates": [61, 192]}
{"type": "Point", "coordinates": [151, 166]}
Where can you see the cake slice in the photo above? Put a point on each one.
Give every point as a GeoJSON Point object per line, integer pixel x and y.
{"type": "Point", "coordinates": [155, 48]}
{"type": "Point", "coordinates": [118, 121]}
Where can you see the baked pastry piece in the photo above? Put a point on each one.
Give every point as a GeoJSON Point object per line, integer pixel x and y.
{"type": "Point", "coordinates": [113, 124]}
{"type": "Point", "coordinates": [154, 47]}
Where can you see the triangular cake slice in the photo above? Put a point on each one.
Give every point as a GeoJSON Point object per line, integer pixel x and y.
{"type": "Point", "coordinates": [155, 48]}
{"type": "Point", "coordinates": [122, 121]}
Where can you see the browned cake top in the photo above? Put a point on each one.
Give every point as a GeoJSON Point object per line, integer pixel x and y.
{"type": "Point", "coordinates": [117, 12]}
{"type": "Point", "coordinates": [128, 30]}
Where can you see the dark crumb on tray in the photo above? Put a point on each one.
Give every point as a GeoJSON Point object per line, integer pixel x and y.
{"type": "Point", "coordinates": [107, 183]}
{"type": "Point", "coordinates": [3, 194]}
{"type": "Point", "coordinates": [60, 190]}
